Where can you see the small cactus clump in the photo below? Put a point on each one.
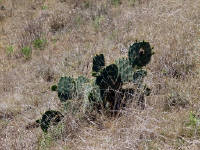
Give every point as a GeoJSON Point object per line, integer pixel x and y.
{"type": "Point", "coordinates": [107, 85]}
{"type": "Point", "coordinates": [50, 117]}
{"type": "Point", "coordinates": [106, 90]}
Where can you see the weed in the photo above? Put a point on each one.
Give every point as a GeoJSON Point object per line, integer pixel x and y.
{"type": "Point", "coordinates": [194, 121]}
{"type": "Point", "coordinates": [9, 50]}
{"type": "Point", "coordinates": [192, 126]}
{"type": "Point", "coordinates": [46, 142]}
{"type": "Point", "coordinates": [39, 43]}
{"type": "Point", "coordinates": [44, 7]}
{"type": "Point", "coordinates": [97, 22]}
{"type": "Point", "coordinates": [116, 2]}
{"type": "Point", "coordinates": [26, 51]}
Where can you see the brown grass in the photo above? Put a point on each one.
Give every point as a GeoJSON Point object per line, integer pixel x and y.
{"type": "Point", "coordinates": [75, 32]}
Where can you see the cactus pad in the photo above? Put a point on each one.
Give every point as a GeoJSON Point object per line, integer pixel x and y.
{"type": "Point", "coordinates": [50, 117]}
{"type": "Point", "coordinates": [108, 78]}
{"type": "Point", "coordinates": [66, 88]}
{"type": "Point", "coordinates": [139, 54]}
{"type": "Point", "coordinates": [92, 97]}
{"type": "Point", "coordinates": [98, 63]}
{"type": "Point", "coordinates": [125, 70]}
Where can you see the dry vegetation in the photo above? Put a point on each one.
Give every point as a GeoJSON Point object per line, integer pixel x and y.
{"type": "Point", "coordinates": [73, 32]}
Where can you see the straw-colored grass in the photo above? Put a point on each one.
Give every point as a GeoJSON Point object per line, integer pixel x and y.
{"type": "Point", "coordinates": [75, 31]}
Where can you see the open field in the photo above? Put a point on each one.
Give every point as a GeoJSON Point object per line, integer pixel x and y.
{"type": "Point", "coordinates": [70, 33]}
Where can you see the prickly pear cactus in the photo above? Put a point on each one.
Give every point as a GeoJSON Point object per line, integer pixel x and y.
{"type": "Point", "coordinates": [92, 97]}
{"type": "Point", "coordinates": [80, 85]}
{"type": "Point", "coordinates": [66, 88]}
{"type": "Point", "coordinates": [139, 54]}
{"type": "Point", "coordinates": [125, 70]}
{"type": "Point", "coordinates": [98, 64]}
{"type": "Point", "coordinates": [50, 117]}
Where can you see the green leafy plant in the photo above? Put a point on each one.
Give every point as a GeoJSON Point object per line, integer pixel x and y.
{"type": "Point", "coordinates": [26, 51]}
{"type": "Point", "coordinates": [39, 43]}
{"type": "Point", "coordinates": [194, 121]}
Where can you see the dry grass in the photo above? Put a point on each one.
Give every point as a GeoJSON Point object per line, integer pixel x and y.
{"type": "Point", "coordinates": [75, 32]}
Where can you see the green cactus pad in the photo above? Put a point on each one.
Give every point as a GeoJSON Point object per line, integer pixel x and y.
{"type": "Point", "coordinates": [109, 78]}
{"type": "Point", "coordinates": [125, 70]}
{"type": "Point", "coordinates": [92, 97]}
{"type": "Point", "coordinates": [66, 88]}
{"type": "Point", "coordinates": [98, 64]}
{"type": "Point", "coordinates": [139, 54]}
{"type": "Point", "coordinates": [50, 117]}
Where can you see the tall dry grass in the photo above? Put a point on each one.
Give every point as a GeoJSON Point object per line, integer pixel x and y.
{"type": "Point", "coordinates": [76, 31]}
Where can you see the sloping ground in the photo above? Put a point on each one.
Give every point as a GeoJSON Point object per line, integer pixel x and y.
{"type": "Point", "coordinates": [75, 31]}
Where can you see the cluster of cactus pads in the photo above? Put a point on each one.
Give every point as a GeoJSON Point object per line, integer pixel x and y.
{"type": "Point", "coordinates": [105, 89]}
